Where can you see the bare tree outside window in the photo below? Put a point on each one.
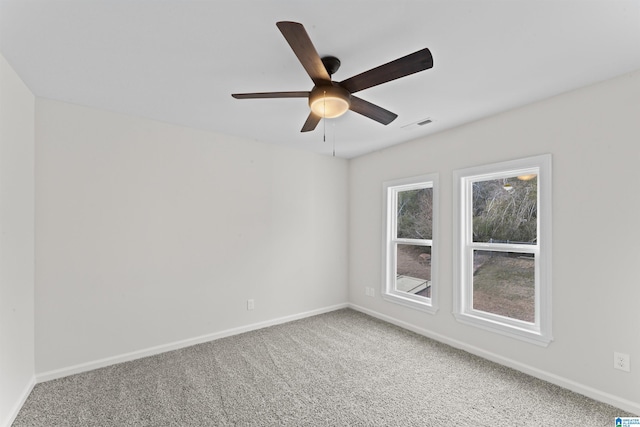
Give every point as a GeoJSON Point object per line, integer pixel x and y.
{"type": "Point", "coordinates": [505, 210]}
{"type": "Point", "coordinates": [415, 214]}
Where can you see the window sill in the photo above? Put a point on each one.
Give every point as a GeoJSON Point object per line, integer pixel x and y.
{"type": "Point", "coordinates": [528, 335]}
{"type": "Point", "coordinates": [410, 302]}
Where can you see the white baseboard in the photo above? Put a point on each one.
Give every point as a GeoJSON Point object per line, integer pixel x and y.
{"type": "Point", "coordinates": [624, 404]}
{"type": "Point", "coordinates": [618, 402]}
{"type": "Point", "coordinates": [13, 413]}
{"type": "Point", "coordinates": [101, 363]}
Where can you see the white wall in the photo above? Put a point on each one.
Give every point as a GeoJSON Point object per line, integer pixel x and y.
{"type": "Point", "coordinates": [16, 242]}
{"type": "Point", "coordinates": [593, 135]}
{"type": "Point", "coordinates": [149, 233]}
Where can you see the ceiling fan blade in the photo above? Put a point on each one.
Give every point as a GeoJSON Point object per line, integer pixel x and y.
{"type": "Point", "coordinates": [271, 95]}
{"type": "Point", "coordinates": [372, 111]}
{"type": "Point", "coordinates": [401, 67]}
{"type": "Point", "coordinates": [311, 123]}
{"type": "Point", "coordinates": [299, 40]}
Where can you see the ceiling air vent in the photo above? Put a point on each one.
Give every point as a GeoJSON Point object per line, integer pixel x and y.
{"type": "Point", "coordinates": [421, 122]}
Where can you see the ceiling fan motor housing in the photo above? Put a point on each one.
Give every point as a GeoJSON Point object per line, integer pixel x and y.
{"type": "Point", "coordinates": [329, 101]}
{"type": "Point", "coordinates": [331, 63]}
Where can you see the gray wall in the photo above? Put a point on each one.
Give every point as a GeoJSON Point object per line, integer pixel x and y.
{"type": "Point", "coordinates": [593, 136]}
{"type": "Point", "coordinates": [149, 234]}
{"type": "Point", "coordinates": [16, 242]}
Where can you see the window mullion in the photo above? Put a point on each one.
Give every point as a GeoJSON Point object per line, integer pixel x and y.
{"type": "Point", "coordinates": [417, 242]}
{"type": "Point", "coordinates": [504, 247]}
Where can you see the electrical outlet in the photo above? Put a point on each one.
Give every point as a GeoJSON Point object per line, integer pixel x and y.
{"type": "Point", "coordinates": [621, 361]}
{"type": "Point", "coordinates": [370, 292]}
{"type": "Point", "coordinates": [251, 304]}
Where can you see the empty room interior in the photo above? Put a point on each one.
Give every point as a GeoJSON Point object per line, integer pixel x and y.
{"type": "Point", "coordinates": [144, 210]}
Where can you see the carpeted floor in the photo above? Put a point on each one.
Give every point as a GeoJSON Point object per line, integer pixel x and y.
{"type": "Point", "coordinates": [337, 369]}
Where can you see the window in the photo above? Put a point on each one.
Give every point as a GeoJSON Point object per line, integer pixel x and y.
{"type": "Point", "coordinates": [409, 256]}
{"type": "Point", "coordinates": [503, 248]}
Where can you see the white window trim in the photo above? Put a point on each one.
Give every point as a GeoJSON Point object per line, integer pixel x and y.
{"type": "Point", "coordinates": [388, 292]}
{"type": "Point", "coordinates": [538, 332]}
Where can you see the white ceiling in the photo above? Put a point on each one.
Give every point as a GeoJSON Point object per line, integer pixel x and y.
{"type": "Point", "coordinates": [178, 61]}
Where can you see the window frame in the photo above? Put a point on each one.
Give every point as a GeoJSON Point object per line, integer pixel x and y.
{"type": "Point", "coordinates": [539, 331]}
{"type": "Point", "coordinates": [390, 241]}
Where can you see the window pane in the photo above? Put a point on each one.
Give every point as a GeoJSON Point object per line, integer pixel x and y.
{"type": "Point", "coordinates": [413, 269]}
{"type": "Point", "coordinates": [415, 214]}
{"type": "Point", "coordinates": [506, 210]}
{"type": "Point", "coordinates": [504, 284]}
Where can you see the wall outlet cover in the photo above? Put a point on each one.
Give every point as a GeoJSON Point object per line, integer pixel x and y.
{"type": "Point", "coordinates": [621, 361]}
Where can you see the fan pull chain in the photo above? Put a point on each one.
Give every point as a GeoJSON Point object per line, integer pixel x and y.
{"type": "Point", "coordinates": [324, 124]}
{"type": "Point", "coordinates": [334, 140]}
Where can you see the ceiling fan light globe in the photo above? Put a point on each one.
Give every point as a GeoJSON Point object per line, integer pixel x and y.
{"type": "Point", "coordinates": [329, 101]}
{"type": "Point", "coordinates": [527, 177]}
{"type": "Point", "coordinates": [330, 107]}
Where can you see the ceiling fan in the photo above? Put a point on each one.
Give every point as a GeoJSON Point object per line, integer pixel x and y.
{"type": "Point", "coordinates": [329, 99]}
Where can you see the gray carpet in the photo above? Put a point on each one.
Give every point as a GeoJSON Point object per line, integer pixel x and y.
{"type": "Point", "coordinates": [337, 369]}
